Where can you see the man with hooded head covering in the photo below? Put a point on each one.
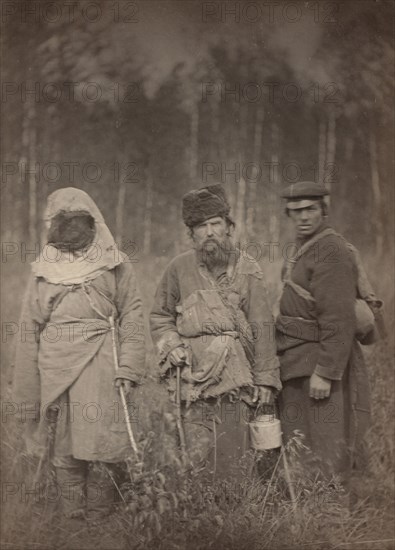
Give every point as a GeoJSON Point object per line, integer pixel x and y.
{"type": "Point", "coordinates": [325, 392]}
{"type": "Point", "coordinates": [65, 364]}
{"type": "Point", "coordinates": [211, 319]}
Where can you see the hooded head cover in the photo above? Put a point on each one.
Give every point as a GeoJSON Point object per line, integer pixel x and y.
{"type": "Point", "coordinates": [200, 205]}
{"type": "Point", "coordinates": [61, 266]}
{"type": "Point", "coordinates": [303, 194]}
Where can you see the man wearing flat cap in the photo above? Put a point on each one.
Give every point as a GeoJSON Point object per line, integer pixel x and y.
{"type": "Point", "coordinates": [211, 319]}
{"type": "Point", "coordinates": [325, 384]}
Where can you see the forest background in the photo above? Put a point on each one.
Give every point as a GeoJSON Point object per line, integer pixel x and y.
{"type": "Point", "coordinates": [138, 102]}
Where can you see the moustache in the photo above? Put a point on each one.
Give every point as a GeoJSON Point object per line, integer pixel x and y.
{"type": "Point", "coordinates": [211, 240]}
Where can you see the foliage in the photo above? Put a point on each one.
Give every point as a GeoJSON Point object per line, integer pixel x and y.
{"type": "Point", "coordinates": [163, 507]}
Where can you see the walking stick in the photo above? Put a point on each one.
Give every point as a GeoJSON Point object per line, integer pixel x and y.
{"type": "Point", "coordinates": [50, 442]}
{"type": "Point", "coordinates": [289, 481]}
{"type": "Point", "coordinates": [180, 425]}
{"type": "Point", "coordinates": [121, 390]}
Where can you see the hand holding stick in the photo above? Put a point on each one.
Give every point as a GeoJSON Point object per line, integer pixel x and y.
{"type": "Point", "coordinates": [122, 391]}
{"type": "Point", "coordinates": [180, 426]}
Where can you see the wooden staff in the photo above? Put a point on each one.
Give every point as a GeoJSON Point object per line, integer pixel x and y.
{"type": "Point", "coordinates": [180, 425]}
{"type": "Point", "coordinates": [121, 390]}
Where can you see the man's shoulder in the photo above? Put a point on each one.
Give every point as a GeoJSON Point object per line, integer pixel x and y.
{"type": "Point", "coordinates": [334, 247]}
{"type": "Point", "coordinates": [333, 236]}
{"type": "Point", "coordinates": [330, 247]}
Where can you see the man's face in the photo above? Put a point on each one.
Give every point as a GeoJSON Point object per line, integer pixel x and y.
{"type": "Point", "coordinates": [210, 234]}
{"type": "Point", "coordinates": [307, 220]}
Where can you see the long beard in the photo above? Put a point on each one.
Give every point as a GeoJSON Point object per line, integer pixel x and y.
{"type": "Point", "coordinates": [214, 253]}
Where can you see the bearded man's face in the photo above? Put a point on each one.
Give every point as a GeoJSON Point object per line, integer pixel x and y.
{"type": "Point", "coordinates": [212, 239]}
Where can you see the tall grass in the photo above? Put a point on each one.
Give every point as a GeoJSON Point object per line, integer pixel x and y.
{"type": "Point", "coordinates": [164, 509]}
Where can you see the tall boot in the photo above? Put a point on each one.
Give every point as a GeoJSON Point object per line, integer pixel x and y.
{"type": "Point", "coordinates": [71, 480]}
{"type": "Point", "coordinates": [102, 492]}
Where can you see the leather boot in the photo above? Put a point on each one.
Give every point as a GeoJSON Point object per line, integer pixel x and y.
{"type": "Point", "coordinates": [71, 482]}
{"type": "Point", "coordinates": [102, 491]}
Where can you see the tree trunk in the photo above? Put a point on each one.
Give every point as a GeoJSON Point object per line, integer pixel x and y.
{"type": "Point", "coordinates": [29, 144]}
{"type": "Point", "coordinates": [215, 132]}
{"type": "Point", "coordinates": [240, 210]}
{"type": "Point", "coordinates": [257, 146]}
{"type": "Point", "coordinates": [377, 200]}
{"type": "Point", "coordinates": [119, 211]}
{"type": "Point", "coordinates": [148, 215]}
{"type": "Point", "coordinates": [176, 222]}
{"type": "Point", "coordinates": [274, 210]}
{"type": "Point", "coordinates": [193, 144]}
{"type": "Point", "coordinates": [319, 176]}
{"type": "Point", "coordinates": [23, 215]}
{"type": "Point", "coordinates": [330, 150]}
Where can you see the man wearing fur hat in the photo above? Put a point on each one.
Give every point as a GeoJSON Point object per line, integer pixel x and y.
{"type": "Point", "coordinates": [325, 384]}
{"type": "Point", "coordinates": [211, 319]}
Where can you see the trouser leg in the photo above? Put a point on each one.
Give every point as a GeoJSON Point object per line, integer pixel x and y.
{"type": "Point", "coordinates": [322, 423]}
{"type": "Point", "coordinates": [102, 489]}
{"type": "Point", "coordinates": [71, 476]}
{"type": "Point", "coordinates": [198, 435]}
{"type": "Point", "coordinates": [217, 435]}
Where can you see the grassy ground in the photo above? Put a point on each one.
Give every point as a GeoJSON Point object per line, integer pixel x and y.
{"type": "Point", "coordinates": [170, 512]}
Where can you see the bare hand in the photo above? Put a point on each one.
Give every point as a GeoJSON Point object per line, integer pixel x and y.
{"type": "Point", "coordinates": [127, 385]}
{"type": "Point", "coordinates": [320, 388]}
{"type": "Point", "coordinates": [264, 395]}
{"type": "Point", "coordinates": [178, 357]}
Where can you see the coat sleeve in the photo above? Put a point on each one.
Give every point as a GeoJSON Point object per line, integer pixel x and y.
{"type": "Point", "coordinates": [130, 325]}
{"type": "Point", "coordinates": [333, 285]}
{"type": "Point", "coordinates": [163, 314]}
{"type": "Point", "coordinates": [259, 315]}
{"type": "Point", "coordinates": [26, 380]}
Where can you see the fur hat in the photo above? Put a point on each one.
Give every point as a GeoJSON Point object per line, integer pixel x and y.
{"type": "Point", "coordinates": [201, 204]}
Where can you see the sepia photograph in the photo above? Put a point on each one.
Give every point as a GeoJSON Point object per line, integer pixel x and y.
{"type": "Point", "coordinates": [197, 275]}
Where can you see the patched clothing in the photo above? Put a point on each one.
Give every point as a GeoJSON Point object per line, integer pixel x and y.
{"type": "Point", "coordinates": [225, 325]}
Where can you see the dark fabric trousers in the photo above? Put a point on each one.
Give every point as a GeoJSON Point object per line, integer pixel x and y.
{"type": "Point", "coordinates": [324, 424]}
{"type": "Point", "coordinates": [217, 435]}
{"type": "Point", "coordinates": [333, 428]}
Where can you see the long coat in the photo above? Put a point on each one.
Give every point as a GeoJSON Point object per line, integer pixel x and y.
{"type": "Point", "coordinates": [66, 358]}
{"type": "Point", "coordinates": [318, 336]}
{"type": "Point", "coordinates": [225, 324]}
{"type": "Point", "coordinates": [180, 287]}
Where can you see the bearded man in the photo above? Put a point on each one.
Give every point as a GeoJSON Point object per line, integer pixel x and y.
{"type": "Point", "coordinates": [325, 392]}
{"type": "Point", "coordinates": [64, 368]}
{"type": "Point", "coordinates": [211, 319]}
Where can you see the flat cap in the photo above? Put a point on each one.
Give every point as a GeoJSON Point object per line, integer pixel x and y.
{"type": "Point", "coordinates": [201, 204]}
{"type": "Point", "coordinates": [305, 190]}
{"type": "Point", "coordinates": [303, 193]}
